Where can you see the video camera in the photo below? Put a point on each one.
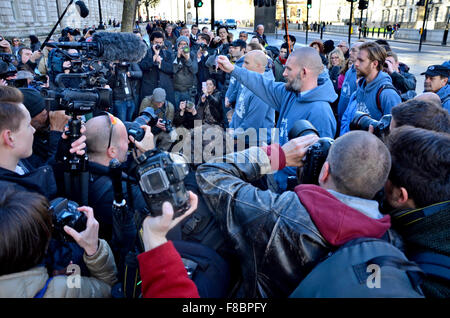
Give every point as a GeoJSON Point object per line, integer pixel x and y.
{"type": "Point", "coordinates": [362, 121]}
{"type": "Point", "coordinates": [316, 154]}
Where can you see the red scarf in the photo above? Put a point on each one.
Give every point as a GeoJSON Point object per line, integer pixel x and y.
{"type": "Point", "coordinates": [283, 61]}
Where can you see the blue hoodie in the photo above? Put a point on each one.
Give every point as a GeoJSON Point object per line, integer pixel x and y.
{"type": "Point", "coordinates": [233, 88]}
{"type": "Point", "coordinates": [348, 87]}
{"type": "Point", "coordinates": [313, 105]}
{"type": "Point", "coordinates": [366, 96]}
{"type": "Point", "coordinates": [251, 111]}
{"type": "Point", "coordinates": [444, 94]}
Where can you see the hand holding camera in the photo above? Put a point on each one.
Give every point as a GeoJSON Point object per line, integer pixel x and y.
{"type": "Point", "coordinates": [147, 143]}
{"type": "Point", "coordinates": [161, 125]}
{"type": "Point", "coordinates": [88, 239]}
{"type": "Point", "coordinates": [296, 149]}
{"type": "Point", "coordinates": [156, 228]}
{"type": "Point", "coordinates": [58, 120]}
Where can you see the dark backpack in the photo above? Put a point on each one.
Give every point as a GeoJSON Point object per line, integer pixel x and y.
{"type": "Point", "coordinates": [363, 268]}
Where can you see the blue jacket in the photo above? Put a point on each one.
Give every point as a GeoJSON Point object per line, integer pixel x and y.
{"type": "Point", "coordinates": [313, 105]}
{"type": "Point", "coordinates": [233, 88]}
{"type": "Point", "coordinates": [348, 87]}
{"type": "Point", "coordinates": [366, 96]}
{"type": "Point", "coordinates": [251, 111]}
{"type": "Point", "coordinates": [444, 94]}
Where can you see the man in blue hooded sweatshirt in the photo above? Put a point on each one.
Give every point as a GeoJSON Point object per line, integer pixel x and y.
{"type": "Point", "coordinates": [369, 64]}
{"type": "Point", "coordinates": [436, 81]}
{"type": "Point", "coordinates": [250, 110]}
{"type": "Point", "coordinates": [349, 84]}
{"type": "Point", "coordinates": [307, 94]}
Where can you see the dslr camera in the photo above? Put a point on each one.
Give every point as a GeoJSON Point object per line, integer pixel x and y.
{"type": "Point", "coordinates": [315, 156]}
{"type": "Point", "coordinates": [362, 121]}
{"type": "Point", "coordinates": [64, 212]}
{"type": "Point", "coordinates": [160, 176]}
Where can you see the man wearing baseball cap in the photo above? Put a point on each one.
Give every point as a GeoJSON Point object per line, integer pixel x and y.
{"type": "Point", "coordinates": [436, 81]}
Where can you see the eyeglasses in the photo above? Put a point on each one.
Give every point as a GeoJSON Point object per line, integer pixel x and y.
{"type": "Point", "coordinates": [112, 121]}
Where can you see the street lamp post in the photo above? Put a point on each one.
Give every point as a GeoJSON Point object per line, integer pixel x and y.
{"type": "Point", "coordinates": [350, 23]}
{"type": "Point", "coordinates": [100, 25]}
{"type": "Point", "coordinates": [425, 17]}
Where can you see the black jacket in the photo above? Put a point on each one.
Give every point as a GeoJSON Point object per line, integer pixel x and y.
{"type": "Point", "coordinates": [101, 196]}
{"type": "Point", "coordinates": [153, 76]}
{"type": "Point", "coordinates": [45, 145]}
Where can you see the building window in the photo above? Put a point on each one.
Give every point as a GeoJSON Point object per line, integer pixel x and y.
{"type": "Point", "coordinates": [436, 13]}
{"type": "Point", "coordinates": [402, 15]}
{"type": "Point", "coordinates": [15, 10]}
{"type": "Point", "coordinates": [410, 16]}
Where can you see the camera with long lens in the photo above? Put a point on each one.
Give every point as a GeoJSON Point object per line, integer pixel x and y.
{"type": "Point", "coordinates": [362, 121]}
{"type": "Point", "coordinates": [160, 176]}
{"type": "Point", "coordinates": [64, 212]}
{"type": "Point", "coordinates": [315, 156]}
{"type": "Point", "coordinates": [134, 130]}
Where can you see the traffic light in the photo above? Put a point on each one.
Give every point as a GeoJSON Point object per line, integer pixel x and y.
{"type": "Point", "coordinates": [420, 3]}
{"type": "Point", "coordinates": [363, 4]}
{"type": "Point", "coordinates": [309, 4]}
{"type": "Point", "coordinates": [198, 3]}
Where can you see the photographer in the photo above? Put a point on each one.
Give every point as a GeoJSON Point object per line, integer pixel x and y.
{"type": "Point", "coordinates": [185, 68]}
{"type": "Point", "coordinates": [157, 68]}
{"type": "Point", "coordinates": [403, 81]}
{"type": "Point", "coordinates": [49, 126]}
{"type": "Point", "coordinates": [203, 52]}
{"type": "Point", "coordinates": [27, 229]}
{"type": "Point", "coordinates": [119, 80]}
{"type": "Point", "coordinates": [28, 60]}
{"type": "Point", "coordinates": [280, 237]}
{"type": "Point", "coordinates": [106, 139]}
{"type": "Point", "coordinates": [418, 188]}
{"type": "Point", "coordinates": [164, 111]}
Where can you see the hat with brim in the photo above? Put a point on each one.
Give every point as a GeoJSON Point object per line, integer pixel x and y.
{"type": "Point", "coordinates": [437, 70]}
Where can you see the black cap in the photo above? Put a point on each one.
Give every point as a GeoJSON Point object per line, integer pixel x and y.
{"type": "Point", "coordinates": [239, 42]}
{"type": "Point", "coordinates": [33, 101]}
{"type": "Point", "coordinates": [435, 70]}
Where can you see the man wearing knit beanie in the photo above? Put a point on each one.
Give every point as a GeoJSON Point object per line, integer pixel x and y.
{"type": "Point", "coordinates": [49, 126]}
{"type": "Point", "coordinates": [185, 68]}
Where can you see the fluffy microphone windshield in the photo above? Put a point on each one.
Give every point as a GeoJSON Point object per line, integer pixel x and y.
{"type": "Point", "coordinates": [82, 9]}
{"type": "Point", "coordinates": [126, 47]}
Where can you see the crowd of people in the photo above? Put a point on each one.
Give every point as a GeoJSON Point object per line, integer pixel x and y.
{"type": "Point", "coordinates": [239, 103]}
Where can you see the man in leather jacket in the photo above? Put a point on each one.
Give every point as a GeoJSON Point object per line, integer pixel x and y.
{"type": "Point", "coordinates": [279, 238]}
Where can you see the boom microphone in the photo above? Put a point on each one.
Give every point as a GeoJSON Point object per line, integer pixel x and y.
{"type": "Point", "coordinates": [108, 46]}
{"type": "Point", "coordinates": [121, 46]}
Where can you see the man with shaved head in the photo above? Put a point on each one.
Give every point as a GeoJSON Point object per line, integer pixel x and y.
{"type": "Point", "coordinates": [429, 97]}
{"type": "Point", "coordinates": [250, 111]}
{"type": "Point", "coordinates": [280, 237]}
{"type": "Point", "coordinates": [307, 94]}
{"type": "Point", "coordinates": [107, 139]}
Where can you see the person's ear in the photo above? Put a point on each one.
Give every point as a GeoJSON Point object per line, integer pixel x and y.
{"type": "Point", "coordinates": [8, 138]}
{"type": "Point", "coordinates": [397, 196]}
{"type": "Point", "coordinates": [112, 152]}
{"type": "Point", "coordinates": [324, 173]}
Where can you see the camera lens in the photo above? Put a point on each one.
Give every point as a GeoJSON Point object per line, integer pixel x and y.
{"type": "Point", "coordinates": [362, 121]}
{"type": "Point", "coordinates": [302, 127]}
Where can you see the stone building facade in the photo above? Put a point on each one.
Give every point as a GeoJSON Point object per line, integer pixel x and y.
{"type": "Point", "coordinates": [24, 17]}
